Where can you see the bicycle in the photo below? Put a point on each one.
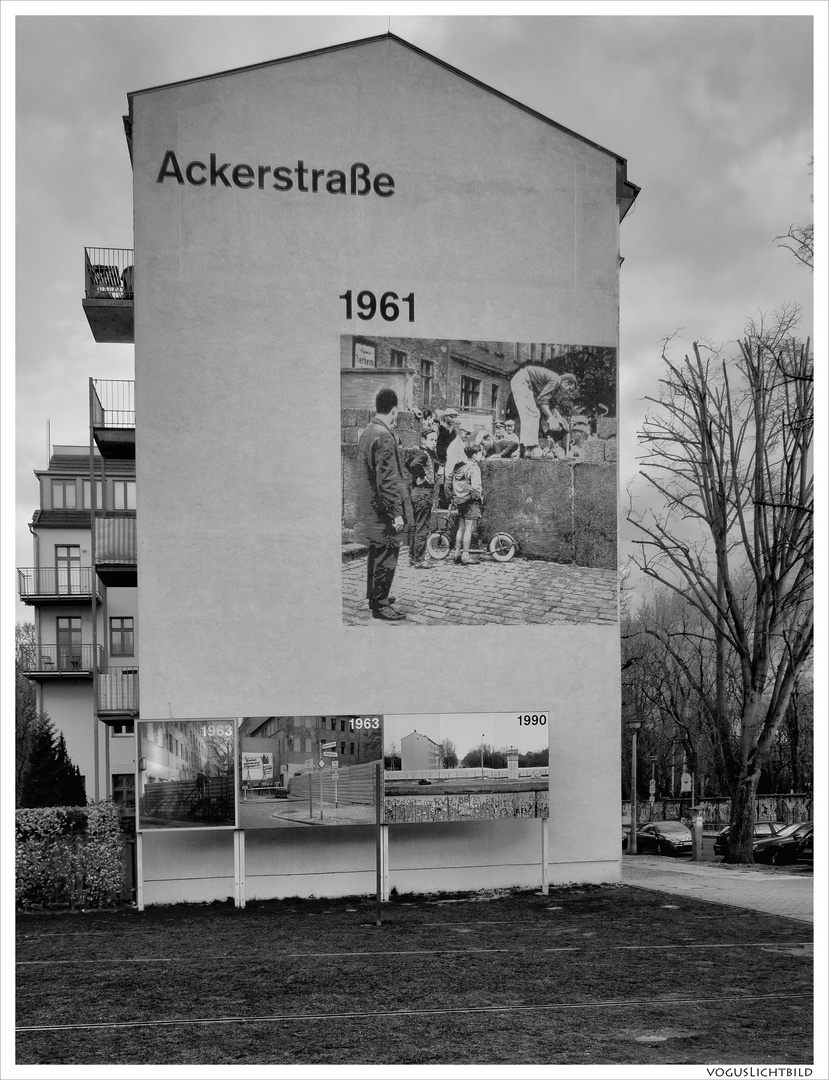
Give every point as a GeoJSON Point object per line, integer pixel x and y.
{"type": "Point", "coordinates": [441, 540]}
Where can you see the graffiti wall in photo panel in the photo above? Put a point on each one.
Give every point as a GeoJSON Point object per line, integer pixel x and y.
{"type": "Point", "coordinates": [442, 767]}
{"type": "Point", "coordinates": [479, 481]}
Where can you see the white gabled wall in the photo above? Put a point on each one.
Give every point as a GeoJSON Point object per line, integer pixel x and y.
{"type": "Point", "coordinates": [505, 228]}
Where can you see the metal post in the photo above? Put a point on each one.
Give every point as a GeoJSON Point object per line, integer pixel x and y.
{"type": "Point", "coordinates": [378, 830]}
{"type": "Point", "coordinates": [634, 726]}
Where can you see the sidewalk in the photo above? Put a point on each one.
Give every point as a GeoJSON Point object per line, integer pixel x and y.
{"type": "Point", "coordinates": [518, 592]}
{"type": "Point", "coordinates": [771, 890]}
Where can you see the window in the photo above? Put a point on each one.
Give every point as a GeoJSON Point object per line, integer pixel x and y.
{"type": "Point", "coordinates": [342, 748]}
{"type": "Point", "coordinates": [309, 745]}
{"type": "Point", "coordinates": [470, 392]}
{"type": "Point", "coordinates": [85, 495]}
{"type": "Point", "coordinates": [342, 725]}
{"type": "Point", "coordinates": [123, 790]}
{"type": "Point", "coordinates": [69, 643]}
{"type": "Point", "coordinates": [295, 739]}
{"type": "Point", "coordinates": [127, 728]}
{"type": "Point", "coordinates": [333, 723]}
{"type": "Point", "coordinates": [121, 637]}
{"type": "Point", "coordinates": [123, 495]}
{"type": "Point", "coordinates": [351, 749]}
{"type": "Point", "coordinates": [64, 494]}
{"type": "Point", "coordinates": [493, 403]}
{"type": "Point", "coordinates": [68, 566]}
{"type": "Point", "coordinates": [397, 358]}
{"type": "Point", "coordinates": [427, 374]}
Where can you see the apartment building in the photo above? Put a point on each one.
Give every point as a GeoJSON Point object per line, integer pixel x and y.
{"type": "Point", "coordinates": [82, 588]}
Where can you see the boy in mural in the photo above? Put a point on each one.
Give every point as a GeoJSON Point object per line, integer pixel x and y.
{"type": "Point", "coordinates": [539, 392]}
{"type": "Point", "coordinates": [423, 470]}
{"type": "Point", "coordinates": [467, 495]}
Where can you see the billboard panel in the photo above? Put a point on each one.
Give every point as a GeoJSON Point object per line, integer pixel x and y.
{"type": "Point", "coordinates": [466, 766]}
{"type": "Point", "coordinates": [298, 771]}
{"type": "Point", "coordinates": [186, 773]}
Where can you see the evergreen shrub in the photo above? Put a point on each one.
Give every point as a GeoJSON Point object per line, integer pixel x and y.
{"type": "Point", "coordinates": [69, 855]}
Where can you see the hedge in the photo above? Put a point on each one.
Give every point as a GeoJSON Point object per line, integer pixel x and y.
{"type": "Point", "coordinates": [69, 855]}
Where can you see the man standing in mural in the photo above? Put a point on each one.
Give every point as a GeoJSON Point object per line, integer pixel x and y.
{"type": "Point", "coordinates": [382, 501]}
{"type": "Point", "coordinates": [540, 392]}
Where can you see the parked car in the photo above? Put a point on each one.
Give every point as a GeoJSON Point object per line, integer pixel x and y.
{"type": "Point", "coordinates": [785, 847]}
{"type": "Point", "coordinates": [806, 853]}
{"type": "Point", "coordinates": [664, 838]}
{"type": "Point", "coordinates": [762, 831]}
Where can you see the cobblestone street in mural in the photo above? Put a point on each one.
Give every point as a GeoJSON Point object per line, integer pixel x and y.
{"type": "Point", "coordinates": [510, 594]}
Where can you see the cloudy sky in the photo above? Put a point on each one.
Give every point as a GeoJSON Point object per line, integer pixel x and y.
{"type": "Point", "coordinates": [713, 113]}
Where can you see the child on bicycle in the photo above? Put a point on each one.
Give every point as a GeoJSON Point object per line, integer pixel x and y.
{"type": "Point", "coordinates": [467, 496]}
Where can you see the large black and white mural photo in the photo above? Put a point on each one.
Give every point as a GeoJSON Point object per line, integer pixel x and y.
{"type": "Point", "coordinates": [479, 481]}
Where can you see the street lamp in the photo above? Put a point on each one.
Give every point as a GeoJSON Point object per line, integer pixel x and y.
{"type": "Point", "coordinates": [483, 736]}
{"type": "Point", "coordinates": [633, 727]}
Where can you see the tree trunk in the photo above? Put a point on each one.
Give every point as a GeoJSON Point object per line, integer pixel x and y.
{"type": "Point", "coordinates": [741, 831]}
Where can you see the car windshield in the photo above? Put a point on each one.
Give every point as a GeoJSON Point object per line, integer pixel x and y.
{"type": "Point", "coordinates": [671, 827]}
{"type": "Point", "coordinates": [790, 830]}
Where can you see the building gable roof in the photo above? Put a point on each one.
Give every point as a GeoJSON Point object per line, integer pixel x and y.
{"type": "Point", "coordinates": [626, 191]}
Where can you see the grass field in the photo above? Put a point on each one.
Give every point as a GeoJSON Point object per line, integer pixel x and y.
{"type": "Point", "coordinates": [589, 975]}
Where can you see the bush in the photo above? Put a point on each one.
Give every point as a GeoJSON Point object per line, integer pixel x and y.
{"type": "Point", "coordinates": [69, 855]}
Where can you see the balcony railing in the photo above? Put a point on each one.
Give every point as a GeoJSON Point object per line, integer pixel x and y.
{"type": "Point", "coordinates": [49, 582]}
{"type": "Point", "coordinates": [113, 403]}
{"type": "Point", "coordinates": [109, 273]}
{"type": "Point", "coordinates": [118, 692]}
{"type": "Point", "coordinates": [61, 659]}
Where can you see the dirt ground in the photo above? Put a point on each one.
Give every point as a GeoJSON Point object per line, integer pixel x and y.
{"type": "Point", "coordinates": [583, 975]}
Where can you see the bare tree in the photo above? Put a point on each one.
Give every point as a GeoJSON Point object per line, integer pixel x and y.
{"type": "Point", "coordinates": [448, 755]}
{"type": "Point", "coordinates": [727, 452]}
{"type": "Point", "coordinates": [800, 239]}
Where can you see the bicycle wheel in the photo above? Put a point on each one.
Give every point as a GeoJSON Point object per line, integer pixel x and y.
{"type": "Point", "coordinates": [502, 547]}
{"type": "Point", "coordinates": [438, 545]}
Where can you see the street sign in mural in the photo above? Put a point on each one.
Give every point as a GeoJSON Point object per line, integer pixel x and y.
{"type": "Point", "coordinates": [186, 775]}
{"type": "Point", "coordinates": [466, 766]}
{"type": "Point", "coordinates": [324, 770]}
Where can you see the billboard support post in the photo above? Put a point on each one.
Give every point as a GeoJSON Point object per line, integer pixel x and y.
{"type": "Point", "coordinates": [378, 828]}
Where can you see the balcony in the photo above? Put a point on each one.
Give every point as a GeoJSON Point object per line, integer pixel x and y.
{"type": "Point", "coordinates": [116, 558]}
{"type": "Point", "coordinates": [112, 415]}
{"type": "Point", "coordinates": [108, 294]}
{"type": "Point", "coordinates": [64, 661]}
{"type": "Point", "coordinates": [118, 693]}
{"type": "Point", "coordinates": [46, 584]}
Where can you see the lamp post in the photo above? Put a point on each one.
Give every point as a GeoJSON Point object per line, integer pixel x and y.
{"type": "Point", "coordinates": [482, 755]}
{"type": "Point", "coordinates": [633, 728]}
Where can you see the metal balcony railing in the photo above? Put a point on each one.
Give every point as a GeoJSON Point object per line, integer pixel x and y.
{"type": "Point", "coordinates": [118, 692]}
{"type": "Point", "coordinates": [113, 403]}
{"type": "Point", "coordinates": [109, 273]}
{"type": "Point", "coordinates": [49, 581]}
{"type": "Point", "coordinates": [46, 659]}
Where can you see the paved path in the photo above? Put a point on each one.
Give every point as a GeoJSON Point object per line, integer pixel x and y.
{"type": "Point", "coordinates": [514, 593]}
{"type": "Point", "coordinates": [775, 891]}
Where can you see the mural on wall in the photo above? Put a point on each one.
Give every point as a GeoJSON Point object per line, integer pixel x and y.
{"type": "Point", "coordinates": [466, 766]}
{"type": "Point", "coordinates": [318, 770]}
{"type": "Point", "coordinates": [186, 777]}
{"type": "Point", "coordinates": [492, 465]}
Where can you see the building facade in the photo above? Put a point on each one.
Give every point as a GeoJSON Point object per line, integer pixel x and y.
{"type": "Point", "coordinates": [82, 587]}
{"type": "Point", "coordinates": [304, 231]}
